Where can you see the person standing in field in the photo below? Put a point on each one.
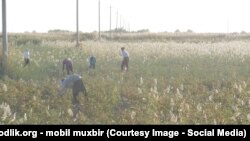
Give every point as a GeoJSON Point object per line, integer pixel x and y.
{"type": "Point", "coordinates": [125, 61]}
{"type": "Point", "coordinates": [26, 56]}
{"type": "Point", "coordinates": [92, 62]}
{"type": "Point", "coordinates": [68, 64]}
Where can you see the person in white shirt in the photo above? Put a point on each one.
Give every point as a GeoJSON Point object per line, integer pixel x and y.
{"type": "Point", "coordinates": [125, 55]}
{"type": "Point", "coordinates": [75, 82]}
{"type": "Point", "coordinates": [26, 56]}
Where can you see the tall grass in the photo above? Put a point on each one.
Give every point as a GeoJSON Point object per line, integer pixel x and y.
{"type": "Point", "coordinates": [167, 83]}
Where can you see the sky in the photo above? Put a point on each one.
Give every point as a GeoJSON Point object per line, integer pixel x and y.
{"type": "Point", "coordinates": [155, 15]}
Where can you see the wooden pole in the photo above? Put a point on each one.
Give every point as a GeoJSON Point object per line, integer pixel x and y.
{"type": "Point", "coordinates": [99, 19]}
{"type": "Point", "coordinates": [77, 25]}
{"type": "Point", "coordinates": [4, 39]}
{"type": "Point", "coordinates": [110, 27]}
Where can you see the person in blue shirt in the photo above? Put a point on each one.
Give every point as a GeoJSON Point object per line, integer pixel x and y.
{"type": "Point", "coordinates": [75, 82]}
{"type": "Point", "coordinates": [92, 62]}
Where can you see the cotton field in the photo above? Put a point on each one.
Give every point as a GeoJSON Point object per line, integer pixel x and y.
{"type": "Point", "coordinates": [168, 82]}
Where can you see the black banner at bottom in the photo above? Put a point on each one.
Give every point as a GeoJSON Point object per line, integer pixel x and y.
{"type": "Point", "coordinates": [144, 132]}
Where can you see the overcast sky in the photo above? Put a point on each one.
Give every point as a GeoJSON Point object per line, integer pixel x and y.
{"type": "Point", "coordinates": [155, 15]}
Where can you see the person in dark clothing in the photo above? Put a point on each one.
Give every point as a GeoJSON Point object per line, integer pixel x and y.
{"type": "Point", "coordinates": [75, 82]}
{"type": "Point", "coordinates": [92, 62]}
{"type": "Point", "coordinates": [68, 64]}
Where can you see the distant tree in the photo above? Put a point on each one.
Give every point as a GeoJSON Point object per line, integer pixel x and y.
{"type": "Point", "coordinates": [143, 31]}
{"type": "Point", "coordinates": [235, 33]}
{"type": "Point", "coordinates": [119, 30]}
{"type": "Point", "coordinates": [177, 31]}
{"type": "Point", "coordinates": [189, 31]}
{"type": "Point", "coordinates": [243, 32]}
{"type": "Point", "coordinates": [58, 31]}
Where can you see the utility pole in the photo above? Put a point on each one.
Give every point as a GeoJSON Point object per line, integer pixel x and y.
{"type": "Point", "coordinates": [124, 24]}
{"type": "Point", "coordinates": [121, 21]}
{"type": "Point", "coordinates": [77, 23]}
{"type": "Point", "coordinates": [99, 19]}
{"type": "Point", "coordinates": [4, 39]}
{"type": "Point", "coordinates": [120, 29]}
{"type": "Point", "coordinates": [116, 20]}
{"type": "Point", "coordinates": [110, 31]}
{"type": "Point", "coordinates": [128, 27]}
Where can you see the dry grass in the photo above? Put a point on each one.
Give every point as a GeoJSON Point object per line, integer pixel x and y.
{"type": "Point", "coordinates": [167, 83]}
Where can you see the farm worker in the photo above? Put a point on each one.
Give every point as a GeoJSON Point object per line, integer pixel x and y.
{"type": "Point", "coordinates": [92, 62]}
{"type": "Point", "coordinates": [26, 56]}
{"type": "Point", "coordinates": [67, 63]}
{"type": "Point", "coordinates": [125, 55]}
{"type": "Point", "coordinates": [75, 82]}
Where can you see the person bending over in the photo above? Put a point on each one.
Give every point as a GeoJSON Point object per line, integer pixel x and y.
{"type": "Point", "coordinates": [74, 82]}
